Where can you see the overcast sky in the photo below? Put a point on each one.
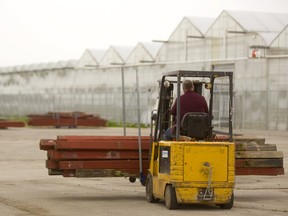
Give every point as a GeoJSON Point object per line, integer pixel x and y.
{"type": "Point", "coordinates": [36, 31]}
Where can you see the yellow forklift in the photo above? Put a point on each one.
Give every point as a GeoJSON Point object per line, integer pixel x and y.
{"type": "Point", "coordinates": [194, 168]}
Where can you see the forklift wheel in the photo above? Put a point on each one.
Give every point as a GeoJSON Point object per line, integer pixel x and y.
{"type": "Point", "coordinates": [170, 198]}
{"type": "Point", "coordinates": [149, 190]}
{"type": "Point", "coordinates": [228, 205]}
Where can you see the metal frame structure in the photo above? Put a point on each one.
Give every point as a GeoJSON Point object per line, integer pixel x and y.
{"type": "Point", "coordinates": [212, 75]}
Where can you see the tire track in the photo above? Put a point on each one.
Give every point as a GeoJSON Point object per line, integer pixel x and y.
{"type": "Point", "coordinates": [25, 207]}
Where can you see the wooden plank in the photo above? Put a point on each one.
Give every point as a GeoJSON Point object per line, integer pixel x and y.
{"type": "Point", "coordinates": [79, 137]}
{"type": "Point", "coordinates": [259, 171]}
{"type": "Point", "coordinates": [50, 164]}
{"type": "Point", "coordinates": [255, 147]}
{"type": "Point", "coordinates": [108, 173]}
{"type": "Point", "coordinates": [11, 123]}
{"type": "Point", "coordinates": [69, 173]}
{"type": "Point", "coordinates": [91, 122]}
{"type": "Point", "coordinates": [72, 119]}
{"type": "Point", "coordinates": [259, 141]}
{"type": "Point", "coordinates": [42, 122]}
{"type": "Point", "coordinates": [55, 172]}
{"type": "Point", "coordinates": [102, 164]}
{"type": "Point", "coordinates": [106, 144]}
{"type": "Point", "coordinates": [258, 154]}
{"type": "Point", "coordinates": [259, 162]}
{"type": "Point", "coordinates": [95, 155]}
{"type": "Point", "coordinates": [46, 144]}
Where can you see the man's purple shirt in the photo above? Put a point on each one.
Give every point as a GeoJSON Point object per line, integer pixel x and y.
{"type": "Point", "coordinates": [190, 101]}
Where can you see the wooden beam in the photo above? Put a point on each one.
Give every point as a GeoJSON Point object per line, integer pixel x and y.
{"type": "Point", "coordinates": [259, 141]}
{"type": "Point", "coordinates": [259, 171]}
{"type": "Point", "coordinates": [46, 144]}
{"type": "Point", "coordinates": [255, 147]}
{"type": "Point", "coordinates": [108, 173]}
{"type": "Point", "coordinates": [102, 164]}
{"type": "Point", "coordinates": [55, 172]}
{"type": "Point", "coordinates": [259, 154]}
{"type": "Point", "coordinates": [11, 123]}
{"type": "Point", "coordinates": [259, 162]}
{"type": "Point", "coordinates": [101, 144]}
{"type": "Point", "coordinates": [50, 164]}
{"type": "Point", "coordinates": [95, 155]}
{"type": "Point", "coordinates": [79, 137]}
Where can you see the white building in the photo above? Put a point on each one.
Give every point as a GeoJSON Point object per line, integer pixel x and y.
{"type": "Point", "coordinates": [253, 45]}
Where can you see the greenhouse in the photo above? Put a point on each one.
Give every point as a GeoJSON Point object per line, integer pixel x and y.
{"type": "Point", "coordinates": [253, 45]}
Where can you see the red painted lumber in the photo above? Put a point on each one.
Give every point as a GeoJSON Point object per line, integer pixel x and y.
{"type": "Point", "coordinates": [100, 173]}
{"type": "Point", "coordinates": [110, 144]}
{"type": "Point", "coordinates": [95, 155]}
{"type": "Point", "coordinates": [37, 121]}
{"type": "Point", "coordinates": [102, 164]}
{"type": "Point", "coordinates": [46, 144]}
{"type": "Point", "coordinates": [72, 154]}
{"type": "Point", "coordinates": [260, 171]}
{"type": "Point", "coordinates": [11, 123]}
{"type": "Point", "coordinates": [50, 164]}
{"type": "Point", "coordinates": [93, 122]}
{"type": "Point", "coordinates": [79, 137]}
{"type": "Point", "coordinates": [109, 172]}
{"type": "Point", "coordinates": [71, 119]}
{"type": "Point", "coordinates": [69, 114]}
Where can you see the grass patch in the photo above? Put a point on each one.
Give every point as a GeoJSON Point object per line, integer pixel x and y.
{"type": "Point", "coordinates": [15, 118]}
{"type": "Point", "coordinates": [120, 124]}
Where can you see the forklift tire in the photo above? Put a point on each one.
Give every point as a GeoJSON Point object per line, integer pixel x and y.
{"type": "Point", "coordinates": [149, 190]}
{"type": "Point", "coordinates": [228, 205]}
{"type": "Point", "coordinates": [170, 198]}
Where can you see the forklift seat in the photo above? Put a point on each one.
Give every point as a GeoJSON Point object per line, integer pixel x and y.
{"type": "Point", "coordinates": [195, 125]}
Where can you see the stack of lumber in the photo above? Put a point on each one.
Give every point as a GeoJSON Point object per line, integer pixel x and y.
{"type": "Point", "coordinates": [100, 156]}
{"type": "Point", "coordinates": [11, 123]}
{"type": "Point", "coordinates": [254, 157]}
{"type": "Point", "coordinates": [70, 119]}
{"type": "Point", "coordinates": [95, 156]}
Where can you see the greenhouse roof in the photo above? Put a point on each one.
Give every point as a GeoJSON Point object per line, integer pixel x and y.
{"type": "Point", "coordinates": [201, 23]}
{"type": "Point", "coordinates": [152, 48]}
{"type": "Point", "coordinates": [97, 53]}
{"type": "Point", "coordinates": [123, 51]}
{"type": "Point", "coordinates": [268, 25]}
{"type": "Point", "coordinates": [71, 63]}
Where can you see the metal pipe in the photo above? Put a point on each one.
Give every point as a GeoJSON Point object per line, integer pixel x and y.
{"type": "Point", "coordinates": [178, 107]}
{"type": "Point", "coordinates": [276, 56]}
{"type": "Point", "coordinates": [123, 102]}
{"type": "Point", "coordinates": [230, 108]}
{"type": "Point", "coordinates": [139, 127]}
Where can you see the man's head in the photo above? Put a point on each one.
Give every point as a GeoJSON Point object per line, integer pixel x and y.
{"type": "Point", "coordinates": [187, 85]}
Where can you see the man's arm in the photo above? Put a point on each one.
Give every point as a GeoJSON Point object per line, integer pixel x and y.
{"type": "Point", "coordinates": [173, 109]}
{"type": "Point", "coordinates": [205, 105]}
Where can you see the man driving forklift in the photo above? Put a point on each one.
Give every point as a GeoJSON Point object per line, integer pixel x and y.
{"type": "Point", "coordinates": [190, 101]}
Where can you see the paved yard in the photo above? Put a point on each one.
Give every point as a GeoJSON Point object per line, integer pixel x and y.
{"type": "Point", "coordinates": [26, 188]}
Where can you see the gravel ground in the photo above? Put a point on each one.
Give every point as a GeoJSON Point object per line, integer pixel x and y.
{"type": "Point", "coordinates": [26, 188]}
